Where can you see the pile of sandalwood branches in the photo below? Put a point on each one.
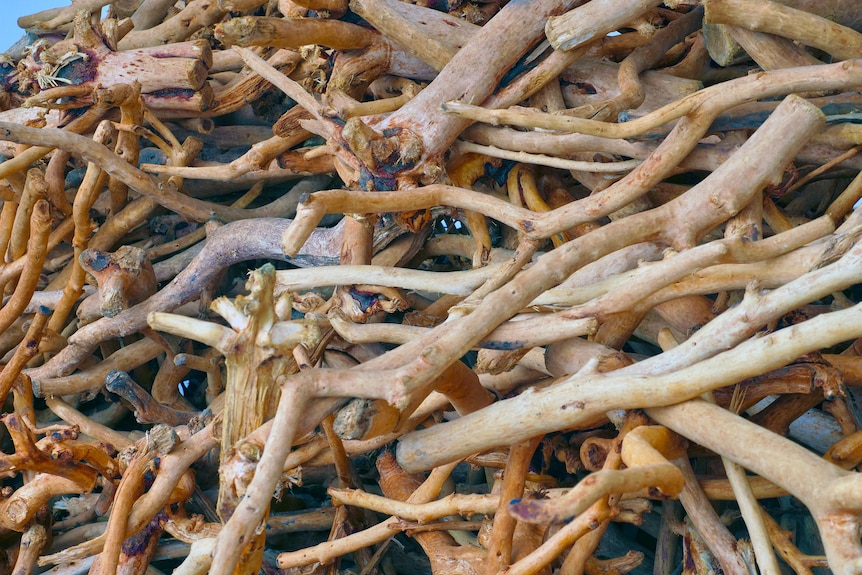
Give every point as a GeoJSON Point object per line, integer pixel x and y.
{"type": "Point", "coordinates": [448, 287]}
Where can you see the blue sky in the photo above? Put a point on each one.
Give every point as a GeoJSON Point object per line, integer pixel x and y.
{"type": "Point", "coordinates": [11, 10]}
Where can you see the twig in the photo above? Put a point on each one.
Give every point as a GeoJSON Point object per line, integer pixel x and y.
{"type": "Point", "coordinates": [514, 479]}
{"type": "Point", "coordinates": [27, 349]}
{"type": "Point", "coordinates": [40, 227]}
{"type": "Point", "coordinates": [707, 522]}
{"type": "Point", "coordinates": [324, 552]}
{"type": "Point", "coordinates": [542, 160]}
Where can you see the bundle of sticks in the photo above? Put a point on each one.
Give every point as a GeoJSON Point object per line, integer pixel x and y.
{"type": "Point", "coordinates": [463, 287]}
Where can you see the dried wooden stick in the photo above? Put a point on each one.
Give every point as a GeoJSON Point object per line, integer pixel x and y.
{"type": "Point", "coordinates": [250, 373]}
{"type": "Point", "coordinates": [424, 131]}
{"type": "Point", "coordinates": [526, 282]}
{"type": "Point", "coordinates": [33, 542]}
{"type": "Point", "coordinates": [125, 277]}
{"type": "Point", "coordinates": [91, 187]}
{"type": "Point", "coordinates": [646, 458]}
{"type": "Point", "coordinates": [460, 283]}
{"type": "Point", "coordinates": [648, 272]}
{"type": "Point", "coordinates": [592, 403]}
{"type": "Point", "coordinates": [179, 27]}
{"type": "Point", "coordinates": [288, 86]}
{"type": "Point", "coordinates": [147, 410]}
{"type": "Point", "coordinates": [787, 549]}
{"type": "Point", "coordinates": [835, 490]}
{"type": "Point", "coordinates": [593, 517]}
{"type": "Point", "coordinates": [442, 549]}
{"type": "Point", "coordinates": [312, 208]}
{"type": "Point", "coordinates": [293, 33]}
{"type": "Point", "coordinates": [542, 160]}
{"type": "Point", "coordinates": [774, 18]}
{"type": "Point", "coordinates": [709, 527]}
{"type": "Point", "coordinates": [105, 99]}
{"type": "Point", "coordinates": [249, 512]}
{"type": "Point", "coordinates": [40, 228]}
{"type": "Point", "coordinates": [87, 426]}
{"type": "Point", "coordinates": [27, 349]}
{"type": "Point", "coordinates": [514, 479]}
{"type": "Point", "coordinates": [129, 489]}
{"type": "Point", "coordinates": [53, 18]}
{"type": "Point", "coordinates": [433, 36]}
{"type": "Point", "coordinates": [619, 293]}
{"type": "Point", "coordinates": [199, 559]}
{"type": "Point", "coordinates": [632, 92]}
{"type": "Point", "coordinates": [93, 378]}
{"type": "Point", "coordinates": [580, 558]}
{"type": "Point", "coordinates": [522, 334]}
{"type": "Point", "coordinates": [754, 521]}
{"type": "Point", "coordinates": [167, 487]}
{"type": "Point", "coordinates": [149, 13]}
{"type": "Point", "coordinates": [571, 29]}
{"type": "Point", "coordinates": [165, 195]}
{"type": "Point", "coordinates": [36, 457]}
{"type": "Point", "coordinates": [615, 196]}
{"type": "Point", "coordinates": [325, 552]}
{"type": "Point", "coordinates": [736, 91]}
{"type": "Point", "coordinates": [230, 243]}
{"type": "Point", "coordinates": [34, 189]}
{"type": "Point", "coordinates": [770, 52]}
{"type": "Point", "coordinates": [453, 504]}
{"type": "Point", "coordinates": [20, 508]}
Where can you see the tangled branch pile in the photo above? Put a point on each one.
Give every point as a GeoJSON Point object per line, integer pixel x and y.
{"type": "Point", "coordinates": [594, 265]}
